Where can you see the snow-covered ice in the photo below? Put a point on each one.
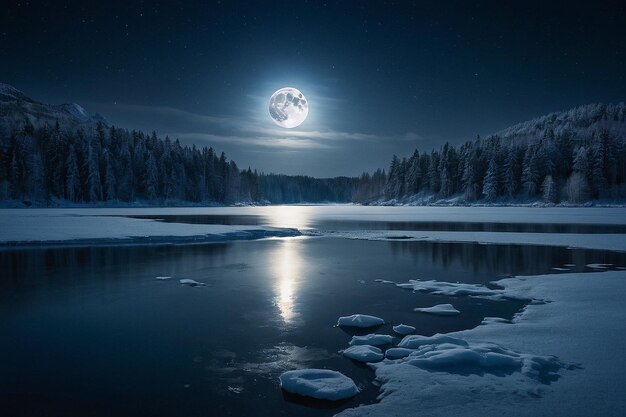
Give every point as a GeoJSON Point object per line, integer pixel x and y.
{"type": "Point", "coordinates": [601, 241]}
{"type": "Point", "coordinates": [372, 339]}
{"type": "Point", "coordinates": [62, 225]}
{"type": "Point", "coordinates": [494, 320]}
{"type": "Point", "coordinates": [562, 358]}
{"type": "Point", "coordinates": [192, 283]}
{"type": "Point", "coordinates": [364, 353]}
{"type": "Point", "coordinates": [451, 288]}
{"type": "Point", "coordinates": [322, 384]}
{"type": "Point", "coordinates": [439, 309]}
{"type": "Point", "coordinates": [560, 269]}
{"type": "Point", "coordinates": [360, 320]}
{"type": "Point", "coordinates": [89, 226]}
{"type": "Point", "coordinates": [599, 266]}
{"type": "Point", "coordinates": [384, 281]}
{"type": "Point", "coordinates": [403, 329]}
{"type": "Point", "coordinates": [163, 278]}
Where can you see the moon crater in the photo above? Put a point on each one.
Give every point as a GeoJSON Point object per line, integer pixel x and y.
{"type": "Point", "coordinates": [288, 107]}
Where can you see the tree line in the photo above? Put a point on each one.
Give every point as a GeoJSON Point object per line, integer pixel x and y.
{"type": "Point", "coordinates": [98, 163]}
{"type": "Point", "coordinates": [101, 163]}
{"type": "Point", "coordinates": [554, 168]}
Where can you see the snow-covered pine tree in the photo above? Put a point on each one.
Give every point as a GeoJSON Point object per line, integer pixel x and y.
{"type": "Point", "coordinates": [490, 184]}
{"type": "Point", "coordinates": [72, 181]}
{"type": "Point", "coordinates": [548, 189]}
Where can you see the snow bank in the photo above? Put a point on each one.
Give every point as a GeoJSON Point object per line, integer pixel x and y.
{"type": "Point", "coordinates": [403, 329]}
{"type": "Point", "coordinates": [192, 283]}
{"type": "Point", "coordinates": [364, 353]}
{"type": "Point", "coordinates": [322, 384]}
{"type": "Point", "coordinates": [372, 339]}
{"type": "Point", "coordinates": [452, 288]}
{"type": "Point", "coordinates": [440, 310]}
{"type": "Point", "coordinates": [360, 320]}
{"type": "Point", "coordinates": [561, 358]}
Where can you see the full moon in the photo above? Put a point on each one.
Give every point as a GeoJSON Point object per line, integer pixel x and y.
{"type": "Point", "coordinates": [288, 107]}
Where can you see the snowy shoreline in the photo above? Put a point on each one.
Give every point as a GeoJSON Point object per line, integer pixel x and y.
{"type": "Point", "coordinates": [582, 311]}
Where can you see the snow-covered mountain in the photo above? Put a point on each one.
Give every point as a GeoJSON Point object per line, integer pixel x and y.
{"type": "Point", "coordinates": [580, 122]}
{"type": "Point", "coordinates": [16, 108]}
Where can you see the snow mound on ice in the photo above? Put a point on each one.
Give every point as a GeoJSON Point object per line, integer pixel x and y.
{"type": "Point", "coordinates": [360, 320]}
{"type": "Point", "coordinates": [451, 288]}
{"type": "Point", "coordinates": [457, 356]}
{"type": "Point", "coordinates": [403, 329]}
{"type": "Point", "coordinates": [192, 283]}
{"type": "Point", "coordinates": [417, 341]}
{"type": "Point", "coordinates": [398, 353]}
{"type": "Point", "coordinates": [322, 384]}
{"type": "Point", "coordinates": [372, 339]}
{"type": "Point", "coordinates": [481, 358]}
{"type": "Point", "coordinates": [364, 353]}
{"type": "Point", "coordinates": [440, 310]}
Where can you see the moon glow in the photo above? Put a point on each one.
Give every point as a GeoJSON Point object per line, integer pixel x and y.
{"type": "Point", "coordinates": [288, 107]}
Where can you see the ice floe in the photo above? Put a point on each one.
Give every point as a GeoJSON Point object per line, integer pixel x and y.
{"type": "Point", "coordinates": [403, 329]}
{"type": "Point", "coordinates": [364, 353]}
{"type": "Point", "coordinates": [360, 320]}
{"type": "Point", "coordinates": [384, 281]}
{"type": "Point", "coordinates": [192, 283]}
{"type": "Point", "coordinates": [322, 384]}
{"type": "Point", "coordinates": [163, 278]}
{"type": "Point", "coordinates": [560, 269]}
{"type": "Point", "coordinates": [372, 339]}
{"type": "Point", "coordinates": [439, 309]}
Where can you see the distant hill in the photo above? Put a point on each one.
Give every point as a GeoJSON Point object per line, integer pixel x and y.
{"type": "Point", "coordinates": [17, 109]}
{"type": "Point", "coordinates": [579, 122]}
{"type": "Point", "coordinates": [573, 156]}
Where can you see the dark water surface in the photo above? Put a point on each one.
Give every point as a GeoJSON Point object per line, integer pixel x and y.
{"type": "Point", "coordinates": [90, 331]}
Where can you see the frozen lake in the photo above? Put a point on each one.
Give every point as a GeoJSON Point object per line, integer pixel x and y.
{"type": "Point", "coordinates": [92, 330]}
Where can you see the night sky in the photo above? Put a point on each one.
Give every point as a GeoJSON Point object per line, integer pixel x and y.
{"type": "Point", "coordinates": [381, 77]}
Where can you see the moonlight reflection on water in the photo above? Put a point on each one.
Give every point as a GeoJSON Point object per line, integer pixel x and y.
{"type": "Point", "coordinates": [287, 268]}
